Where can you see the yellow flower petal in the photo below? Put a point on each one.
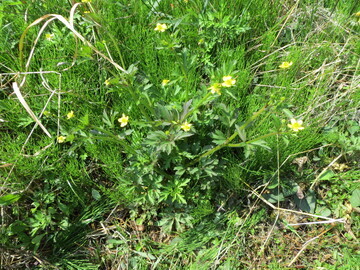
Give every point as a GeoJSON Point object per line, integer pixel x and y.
{"type": "Point", "coordinates": [123, 120]}
{"type": "Point", "coordinates": [296, 125]}
{"type": "Point", "coordinates": [49, 36]}
{"type": "Point", "coordinates": [228, 81]}
{"type": "Point", "coordinates": [61, 139]}
{"type": "Point", "coordinates": [165, 82]}
{"type": "Point", "coordinates": [70, 115]}
{"type": "Point", "coordinates": [186, 126]}
{"type": "Point", "coordinates": [215, 88]}
{"type": "Point", "coordinates": [161, 27]}
{"type": "Point", "coordinates": [285, 65]}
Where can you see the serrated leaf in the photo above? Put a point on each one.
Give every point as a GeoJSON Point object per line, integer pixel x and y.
{"type": "Point", "coordinates": [185, 110]}
{"type": "Point", "coordinates": [219, 137]}
{"type": "Point", "coordinates": [355, 198]}
{"type": "Point", "coordinates": [241, 133]}
{"type": "Point", "coordinates": [181, 134]}
{"type": "Point", "coordinates": [262, 144]}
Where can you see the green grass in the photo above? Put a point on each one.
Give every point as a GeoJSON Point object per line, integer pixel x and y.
{"type": "Point", "coordinates": [152, 195]}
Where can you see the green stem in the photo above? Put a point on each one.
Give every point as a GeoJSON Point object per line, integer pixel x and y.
{"type": "Point", "coordinates": [232, 137]}
{"type": "Point", "coordinates": [197, 105]}
{"type": "Point", "coordinates": [253, 140]}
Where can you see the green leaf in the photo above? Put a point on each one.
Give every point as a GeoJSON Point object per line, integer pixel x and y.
{"type": "Point", "coordinates": [181, 134]}
{"type": "Point", "coordinates": [308, 204]}
{"type": "Point", "coordinates": [219, 137]}
{"type": "Point", "coordinates": [327, 175]}
{"type": "Point", "coordinates": [185, 110]}
{"type": "Point", "coordinates": [355, 198]}
{"type": "Point", "coordinates": [262, 144]}
{"type": "Point", "coordinates": [277, 121]}
{"type": "Point", "coordinates": [274, 196]}
{"type": "Point", "coordinates": [323, 211]}
{"type": "Point", "coordinates": [288, 113]}
{"type": "Point", "coordinates": [9, 199]}
{"type": "Point", "coordinates": [241, 132]}
{"type": "Point", "coordinates": [95, 194]}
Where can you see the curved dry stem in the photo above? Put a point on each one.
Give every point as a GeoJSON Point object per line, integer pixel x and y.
{"type": "Point", "coordinates": [68, 24]}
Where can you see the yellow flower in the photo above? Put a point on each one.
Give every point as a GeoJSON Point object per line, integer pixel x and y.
{"type": "Point", "coordinates": [165, 82]}
{"type": "Point", "coordinates": [61, 139]}
{"type": "Point", "coordinates": [49, 36]}
{"type": "Point", "coordinates": [107, 82]}
{"type": "Point", "coordinates": [186, 126]}
{"type": "Point", "coordinates": [215, 88]}
{"type": "Point", "coordinates": [186, 1]}
{"type": "Point", "coordinates": [87, 12]}
{"type": "Point", "coordinates": [285, 65]}
{"type": "Point", "coordinates": [161, 27]}
{"type": "Point", "coordinates": [47, 113]}
{"type": "Point", "coordinates": [228, 81]}
{"type": "Point", "coordinates": [296, 125]}
{"type": "Point", "coordinates": [86, 1]}
{"type": "Point", "coordinates": [70, 115]}
{"type": "Point", "coordinates": [123, 120]}
{"type": "Point", "coordinates": [357, 14]}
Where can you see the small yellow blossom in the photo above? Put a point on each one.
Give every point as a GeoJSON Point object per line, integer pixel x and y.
{"type": "Point", "coordinates": [47, 113]}
{"type": "Point", "coordinates": [161, 27]}
{"type": "Point", "coordinates": [49, 36]}
{"type": "Point", "coordinates": [61, 139]}
{"type": "Point", "coordinates": [285, 65]}
{"type": "Point", "coordinates": [124, 120]}
{"type": "Point", "coordinates": [86, 1]}
{"type": "Point", "coordinates": [228, 81]}
{"type": "Point", "coordinates": [107, 82]}
{"type": "Point", "coordinates": [357, 14]}
{"type": "Point", "coordinates": [70, 115]}
{"type": "Point", "coordinates": [165, 82]}
{"type": "Point", "coordinates": [87, 12]}
{"type": "Point", "coordinates": [186, 1]}
{"type": "Point", "coordinates": [186, 126]}
{"type": "Point", "coordinates": [296, 125]}
{"type": "Point", "coordinates": [215, 88]}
